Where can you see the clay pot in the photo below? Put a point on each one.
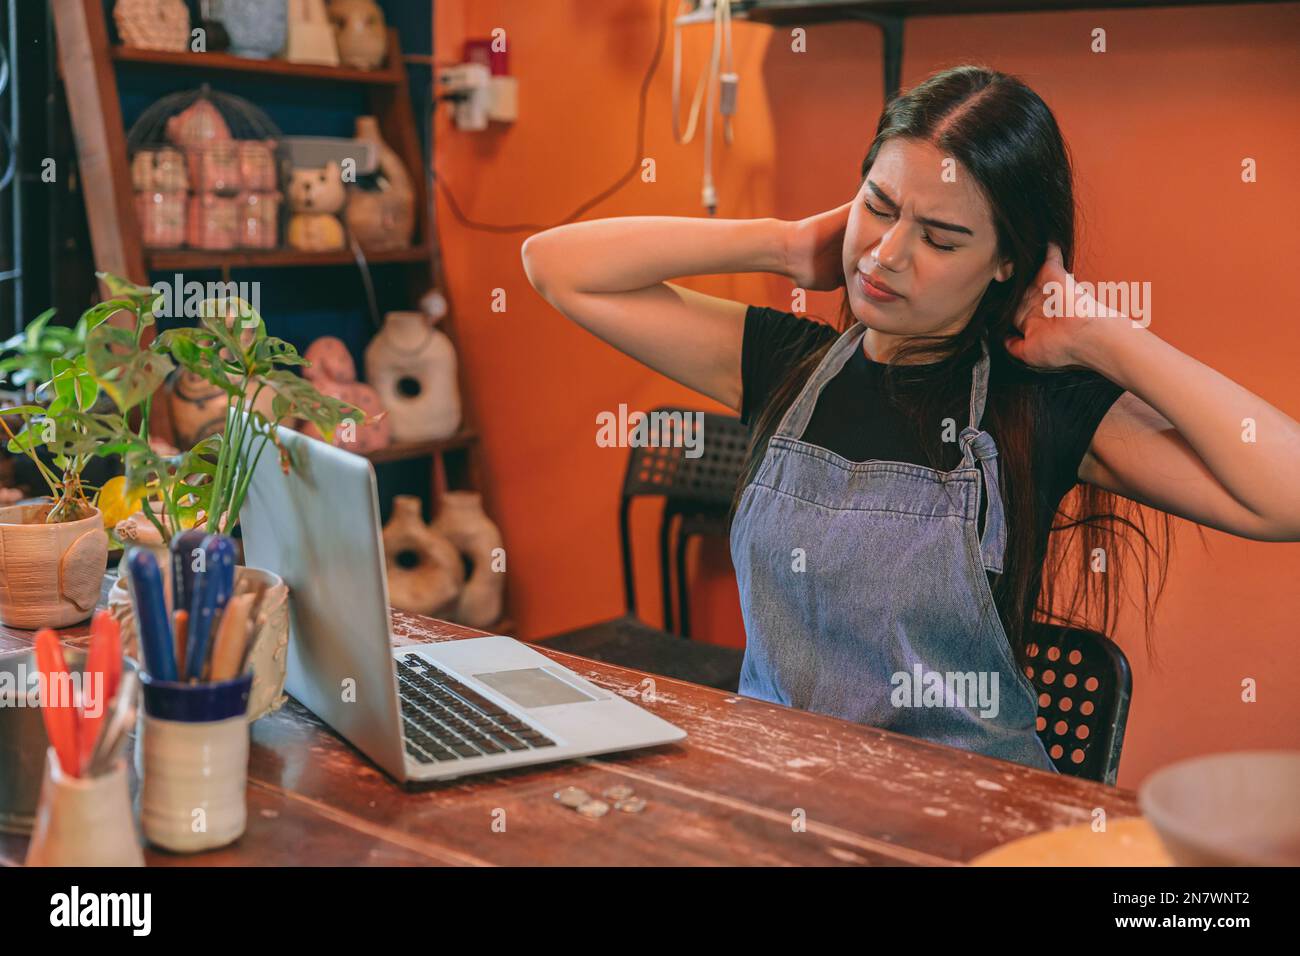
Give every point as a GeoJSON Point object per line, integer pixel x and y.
{"type": "Point", "coordinates": [49, 573]}
{"type": "Point", "coordinates": [382, 219]}
{"type": "Point", "coordinates": [361, 33]}
{"type": "Point", "coordinates": [269, 660]}
{"type": "Point", "coordinates": [413, 368]}
{"type": "Point", "coordinates": [311, 36]}
{"type": "Point", "coordinates": [425, 574]}
{"type": "Point", "coordinates": [462, 521]}
{"type": "Point", "coordinates": [198, 408]}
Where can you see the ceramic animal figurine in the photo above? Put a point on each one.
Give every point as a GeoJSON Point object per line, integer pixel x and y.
{"type": "Point", "coordinates": [334, 373]}
{"type": "Point", "coordinates": [361, 33]}
{"type": "Point", "coordinates": [316, 197]}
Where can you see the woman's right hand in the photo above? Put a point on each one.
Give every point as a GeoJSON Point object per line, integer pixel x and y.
{"type": "Point", "coordinates": [814, 249]}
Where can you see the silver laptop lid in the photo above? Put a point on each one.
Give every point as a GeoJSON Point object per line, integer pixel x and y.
{"type": "Point", "coordinates": [318, 528]}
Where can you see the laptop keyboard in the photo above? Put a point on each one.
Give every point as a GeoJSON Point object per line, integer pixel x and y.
{"type": "Point", "coordinates": [442, 719]}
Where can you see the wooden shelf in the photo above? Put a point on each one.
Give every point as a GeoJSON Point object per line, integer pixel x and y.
{"type": "Point", "coordinates": [181, 259]}
{"type": "Point", "coordinates": [422, 449]}
{"type": "Point", "coordinates": [226, 63]}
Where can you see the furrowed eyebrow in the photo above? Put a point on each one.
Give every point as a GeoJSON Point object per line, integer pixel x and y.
{"type": "Point", "coordinates": [934, 223]}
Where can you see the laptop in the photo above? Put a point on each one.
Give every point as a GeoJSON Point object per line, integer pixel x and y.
{"type": "Point", "coordinates": [423, 711]}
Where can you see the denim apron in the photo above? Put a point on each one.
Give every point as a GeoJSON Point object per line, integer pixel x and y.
{"type": "Point", "coordinates": [864, 592]}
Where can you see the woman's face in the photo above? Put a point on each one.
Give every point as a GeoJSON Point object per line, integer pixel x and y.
{"type": "Point", "coordinates": [921, 227]}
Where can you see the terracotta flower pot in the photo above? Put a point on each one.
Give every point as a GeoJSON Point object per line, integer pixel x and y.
{"type": "Point", "coordinates": [49, 573]}
{"type": "Point", "coordinates": [269, 661]}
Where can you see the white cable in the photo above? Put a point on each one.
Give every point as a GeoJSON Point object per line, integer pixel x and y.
{"type": "Point", "coordinates": [677, 86]}
{"type": "Point", "coordinates": [708, 193]}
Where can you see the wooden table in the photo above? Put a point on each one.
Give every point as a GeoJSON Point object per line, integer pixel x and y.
{"type": "Point", "coordinates": [754, 783]}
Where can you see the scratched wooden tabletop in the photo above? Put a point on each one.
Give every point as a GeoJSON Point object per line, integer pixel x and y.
{"type": "Point", "coordinates": [753, 784]}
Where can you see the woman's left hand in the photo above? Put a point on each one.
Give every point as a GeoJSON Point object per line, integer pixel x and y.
{"type": "Point", "coordinates": [1053, 341]}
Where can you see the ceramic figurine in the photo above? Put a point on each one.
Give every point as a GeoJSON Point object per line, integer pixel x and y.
{"type": "Point", "coordinates": [462, 522]}
{"type": "Point", "coordinates": [153, 24]}
{"type": "Point", "coordinates": [316, 196]}
{"type": "Point", "coordinates": [311, 35]}
{"type": "Point", "coordinates": [198, 124]}
{"type": "Point", "coordinates": [159, 169]}
{"type": "Point", "coordinates": [162, 219]}
{"type": "Point", "coordinates": [425, 574]}
{"type": "Point", "coordinates": [412, 366]}
{"type": "Point", "coordinates": [334, 373]}
{"type": "Point", "coordinates": [360, 31]}
{"type": "Point", "coordinates": [382, 219]}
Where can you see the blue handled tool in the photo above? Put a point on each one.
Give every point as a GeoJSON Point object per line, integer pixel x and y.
{"type": "Point", "coordinates": [214, 583]}
{"type": "Point", "coordinates": [182, 552]}
{"type": "Point", "coordinates": [151, 614]}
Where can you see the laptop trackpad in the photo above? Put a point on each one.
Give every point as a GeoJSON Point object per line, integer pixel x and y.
{"type": "Point", "coordinates": [532, 687]}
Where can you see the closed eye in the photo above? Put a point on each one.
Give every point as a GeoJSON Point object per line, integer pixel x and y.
{"type": "Point", "coordinates": [884, 215]}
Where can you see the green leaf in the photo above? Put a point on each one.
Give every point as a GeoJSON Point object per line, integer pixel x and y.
{"type": "Point", "coordinates": [129, 374]}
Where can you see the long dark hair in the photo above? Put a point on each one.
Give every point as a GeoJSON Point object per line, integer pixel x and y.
{"type": "Point", "coordinates": [1007, 140]}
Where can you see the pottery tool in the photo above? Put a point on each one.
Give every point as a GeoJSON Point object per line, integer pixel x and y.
{"type": "Point", "coordinates": [151, 614]}
{"type": "Point", "coordinates": [60, 716]}
{"type": "Point", "coordinates": [250, 638]}
{"type": "Point", "coordinates": [232, 635]}
{"type": "Point", "coordinates": [213, 585]}
{"type": "Point", "coordinates": [183, 555]}
{"type": "Point", "coordinates": [104, 659]}
{"type": "Point", "coordinates": [180, 632]}
{"type": "Point", "coordinates": [113, 734]}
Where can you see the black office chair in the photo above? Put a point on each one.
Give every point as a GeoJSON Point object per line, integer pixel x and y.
{"type": "Point", "coordinates": [1084, 685]}
{"type": "Point", "coordinates": [685, 484]}
{"type": "Point", "coordinates": [703, 512]}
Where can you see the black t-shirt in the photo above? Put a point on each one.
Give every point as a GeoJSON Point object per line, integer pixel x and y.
{"type": "Point", "coordinates": [854, 419]}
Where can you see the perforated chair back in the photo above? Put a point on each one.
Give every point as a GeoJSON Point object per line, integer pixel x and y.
{"type": "Point", "coordinates": [1084, 685]}
{"type": "Point", "coordinates": [693, 460]}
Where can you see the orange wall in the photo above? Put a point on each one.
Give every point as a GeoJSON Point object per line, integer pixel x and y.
{"type": "Point", "coordinates": [1157, 126]}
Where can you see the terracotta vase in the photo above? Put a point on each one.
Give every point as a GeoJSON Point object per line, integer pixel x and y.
{"type": "Point", "coordinates": [269, 660]}
{"type": "Point", "coordinates": [462, 521]}
{"type": "Point", "coordinates": [425, 573]}
{"type": "Point", "coordinates": [412, 366]}
{"type": "Point", "coordinates": [382, 219]}
{"type": "Point", "coordinates": [361, 33]}
{"type": "Point", "coordinates": [49, 573]}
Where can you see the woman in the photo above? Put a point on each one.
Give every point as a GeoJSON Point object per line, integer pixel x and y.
{"type": "Point", "coordinates": [894, 518]}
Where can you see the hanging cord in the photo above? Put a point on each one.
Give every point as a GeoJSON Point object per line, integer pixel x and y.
{"type": "Point", "coordinates": [633, 171]}
{"type": "Point", "coordinates": [683, 139]}
{"type": "Point", "coordinates": [367, 281]}
{"type": "Point", "coordinates": [721, 12]}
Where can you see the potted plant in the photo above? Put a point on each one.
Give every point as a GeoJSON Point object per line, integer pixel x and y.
{"type": "Point", "coordinates": [205, 486]}
{"type": "Point", "coordinates": [53, 554]}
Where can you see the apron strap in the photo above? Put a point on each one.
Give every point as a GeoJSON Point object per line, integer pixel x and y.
{"type": "Point", "coordinates": [994, 541]}
{"type": "Point", "coordinates": [978, 445]}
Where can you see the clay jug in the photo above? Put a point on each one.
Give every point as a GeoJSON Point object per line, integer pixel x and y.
{"type": "Point", "coordinates": [412, 366]}
{"type": "Point", "coordinates": [462, 521]}
{"type": "Point", "coordinates": [382, 219]}
{"type": "Point", "coordinates": [425, 573]}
